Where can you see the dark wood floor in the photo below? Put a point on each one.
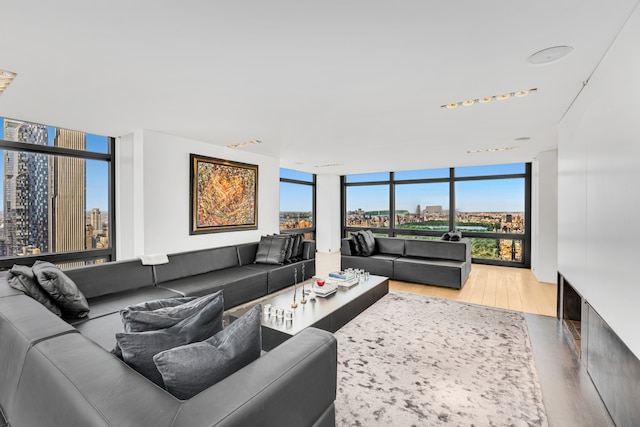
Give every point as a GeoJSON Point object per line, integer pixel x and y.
{"type": "Point", "coordinates": [568, 393]}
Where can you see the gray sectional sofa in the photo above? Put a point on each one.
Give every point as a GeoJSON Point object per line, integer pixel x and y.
{"type": "Point", "coordinates": [61, 373]}
{"type": "Point", "coordinates": [431, 262]}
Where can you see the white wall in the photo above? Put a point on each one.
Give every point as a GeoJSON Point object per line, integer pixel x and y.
{"type": "Point", "coordinates": [544, 216]}
{"type": "Point", "coordinates": [599, 174]}
{"type": "Point", "coordinates": [328, 213]}
{"type": "Point", "coordinates": [158, 198]}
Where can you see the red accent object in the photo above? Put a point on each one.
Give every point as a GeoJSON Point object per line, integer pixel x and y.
{"type": "Point", "coordinates": [320, 282]}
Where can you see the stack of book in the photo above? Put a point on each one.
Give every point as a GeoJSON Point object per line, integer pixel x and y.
{"type": "Point", "coordinates": [343, 279]}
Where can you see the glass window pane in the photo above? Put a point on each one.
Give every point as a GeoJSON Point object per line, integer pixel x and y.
{"type": "Point", "coordinates": [368, 206]}
{"type": "Point", "coordinates": [422, 174]}
{"type": "Point", "coordinates": [368, 177]}
{"type": "Point", "coordinates": [34, 133]}
{"type": "Point", "coordinates": [417, 237]}
{"type": "Point", "coordinates": [498, 249]}
{"type": "Point", "coordinates": [490, 205]}
{"type": "Point", "coordinates": [422, 206]}
{"type": "Point", "coordinates": [97, 204]}
{"type": "Point", "coordinates": [296, 206]}
{"type": "Point", "coordinates": [44, 199]}
{"type": "Point", "coordinates": [508, 169]}
{"type": "Point", "coordinates": [297, 175]}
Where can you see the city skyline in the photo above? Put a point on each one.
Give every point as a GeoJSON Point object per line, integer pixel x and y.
{"type": "Point", "coordinates": [96, 172]}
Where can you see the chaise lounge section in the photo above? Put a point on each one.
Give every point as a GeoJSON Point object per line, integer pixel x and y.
{"type": "Point", "coordinates": [430, 262]}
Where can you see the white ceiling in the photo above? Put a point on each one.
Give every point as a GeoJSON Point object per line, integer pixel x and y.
{"type": "Point", "coordinates": [319, 82]}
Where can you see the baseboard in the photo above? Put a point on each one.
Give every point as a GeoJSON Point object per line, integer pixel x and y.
{"type": "Point", "coordinates": [613, 368]}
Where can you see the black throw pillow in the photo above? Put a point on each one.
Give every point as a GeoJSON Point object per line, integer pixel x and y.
{"type": "Point", "coordinates": [62, 290]}
{"type": "Point", "coordinates": [357, 243]}
{"type": "Point", "coordinates": [190, 369]}
{"type": "Point", "coordinates": [271, 250]}
{"type": "Point", "coordinates": [21, 277]}
{"type": "Point", "coordinates": [446, 236]}
{"type": "Point", "coordinates": [288, 252]}
{"type": "Point", "coordinates": [455, 236]}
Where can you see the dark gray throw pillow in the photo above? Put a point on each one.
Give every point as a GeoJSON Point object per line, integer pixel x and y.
{"type": "Point", "coordinates": [446, 236]}
{"type": "Point", "coordinates": [190, 369]}
{"type": "Point", "coordinates": [21, 277]}
{"type": "Point", "coordinates": [368, 242]}
{"type": "Point", "coordinates": [271, 250]}
{"type": "Point", "coordinates": [163, 313]}
{"type": "Point", "coordinates": [455, 236]}
{"type": "Point", "coordinates": [138, 348]}
{"type": "Point", "coordinates": [62, 290]}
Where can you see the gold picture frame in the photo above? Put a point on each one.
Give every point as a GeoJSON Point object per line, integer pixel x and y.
{"type": "Point", "coordinates": [224, 195]}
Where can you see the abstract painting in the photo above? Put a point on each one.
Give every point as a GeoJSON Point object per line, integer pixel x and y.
{"type": "Point", "coordinates": [224, 195]}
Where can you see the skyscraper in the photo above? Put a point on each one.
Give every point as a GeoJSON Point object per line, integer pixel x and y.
{"type": "Point", "coordinates": [26, 205]}
{"type": "Point", "coordinates": [67, 190]}
{"type": "Point", "coordinates": [96, 221]}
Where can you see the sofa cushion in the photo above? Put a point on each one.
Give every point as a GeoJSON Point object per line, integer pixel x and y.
{"type": "Point", "coordinates": [21, 277]}
{"type": "Point", "coordinates": [240, 284]}
{"type": "Point", "coordinates": [390, 246]}
{"type": "Point", "coordinates": [271, 250]}
{"type": "Point", "coordinates": [62, 289]}
{"type": "Point", "coordinates": [190, 369]}
{"type": "Point", "coordinates": [111, 277]}
{"type": "Point", "coordinates": [138, 348]}
{"type": "Point", "coordinates": [436, 249]}
{"type": "Point", "coordinates": [163, 313]}
{"type": "Point", "coordinates": [186, 264]}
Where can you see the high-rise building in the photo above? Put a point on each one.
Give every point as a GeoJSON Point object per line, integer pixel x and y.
{"type": "Point", "coordinates": [96, 221]}
{"type": "Point", "coordinates": [26, 206]}
{"type": "Point", "coordinates": [67, 194]}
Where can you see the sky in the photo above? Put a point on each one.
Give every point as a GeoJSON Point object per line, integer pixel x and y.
{"type": "Point", "coordinates": [97, 172]}
{"type": "Point", "coordinates": [491, 195]}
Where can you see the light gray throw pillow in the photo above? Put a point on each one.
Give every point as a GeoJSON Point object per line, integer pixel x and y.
{"type": "Point", "coordinates": [138, 348]}
{"type": "Point", "coordinates": [21, 277]}
{"type": "Point", "coordinates": [162, 313]}
{"type": "Point", "coordinates": [62, 290]}
{"type": "Point", "coordinates": [190, 369]}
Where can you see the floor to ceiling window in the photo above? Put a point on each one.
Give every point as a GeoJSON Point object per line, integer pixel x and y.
{"type": "Point", "coordinates": [488, 204]}
{"type": "Point", "coordinates": [297, 202]}
{"type": "Point", "coordinates": [57, 195]}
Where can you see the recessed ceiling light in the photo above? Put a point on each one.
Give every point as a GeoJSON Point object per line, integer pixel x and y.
{"type": "Point", "coordinates": [328, 165]}
{"type": "Point", "coordinates": [486, 99]}
{"type": "Point", "coordinates": [6, 77]}
{"type": "Point", "coordinates": [551, 54]}
{"type": "Point", "coordinates": [492, 150]}
{"type": "Point", "coordinates": [244, 144]}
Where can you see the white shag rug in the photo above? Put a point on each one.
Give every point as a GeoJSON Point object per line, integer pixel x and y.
{"type": "Point", "coordinates": [412, 360]}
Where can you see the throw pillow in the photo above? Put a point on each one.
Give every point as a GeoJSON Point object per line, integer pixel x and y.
{"type": "Point", "coordinates": [288, 251]}
{"type": "Point", "coordinates": [455, 236]}
{"type": "Point", "coordinates": [164, 313]}
{"type": "Point", "coordinates": [357, 245]}
{"type": "Point", "coordinates": [190, 369]}
{"type": "Point", "coordinates": [138, 348]}
{"type": "Point", "coordinates": [62, 290]}
{"type": "Point", "coordinates": [271, 250]}
{"type": "Point", "coordinates": [296, 252]}
{"type": "Point", "coordinates": [21, 277]}
{"type": "Point", "coordinates": [369, 242]}
{"type": "Point", "coordinates": [446, 236]}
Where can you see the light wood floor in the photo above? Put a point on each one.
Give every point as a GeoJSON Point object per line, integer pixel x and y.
{"type": "Point", "coordinates": [503, 287]}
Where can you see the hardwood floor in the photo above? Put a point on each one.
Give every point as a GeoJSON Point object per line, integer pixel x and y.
{"type": "Point", "coordinates": [502, 287]}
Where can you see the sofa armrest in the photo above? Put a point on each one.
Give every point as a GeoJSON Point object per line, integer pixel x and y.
{"type": "Point", "coordinates": [292, 385]}
{"type": "Point", "coordinates": [308, 249]}
{"type": "Point", "coordinates": [345, 246]}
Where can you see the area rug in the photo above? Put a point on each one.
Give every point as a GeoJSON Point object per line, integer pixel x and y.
{"type": "Point", "coordinates": [412, 360]}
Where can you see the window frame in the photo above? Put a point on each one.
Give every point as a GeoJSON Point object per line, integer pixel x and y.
{"type": "Point", "coordinates": [393, 231]}
{"type": "Point", "coordinates": [108, 254]}
{"type": "Point", "coordinates": [308, 230]}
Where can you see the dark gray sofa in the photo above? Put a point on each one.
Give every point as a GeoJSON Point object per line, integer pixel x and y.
{"type": "Point", "coordinates": [430, 262]}
{"type": "Point", "coordinates": [60, 373]}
